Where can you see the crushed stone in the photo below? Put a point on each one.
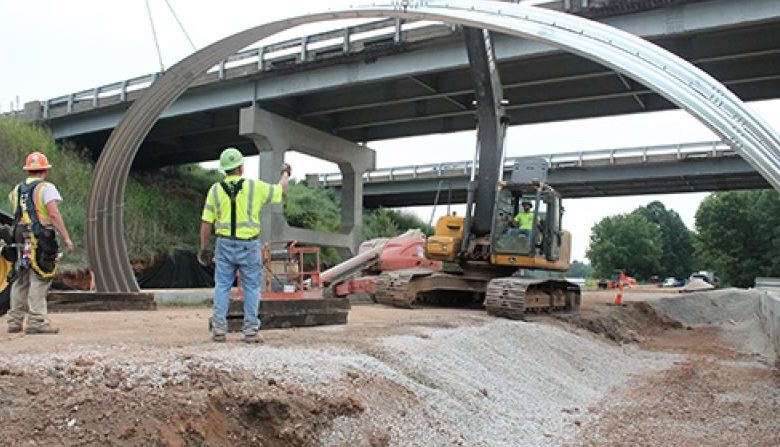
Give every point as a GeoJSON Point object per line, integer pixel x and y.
{"type": "Point", "coordinates": [733, 311]}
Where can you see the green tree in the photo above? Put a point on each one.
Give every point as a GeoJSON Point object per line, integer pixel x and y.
{"type": "Point", "coordinates": [738, 235]}
{"type": "Point", "coordinates": [386, 222]}
{"type": "Point", "coordinates": [580, 270]}
{"type": "Point", "coordinates": [676, 240]}
{"type": "Point", "coordinates": [312, 208]}
{"type": "Point", "coordinates": [626, 241]}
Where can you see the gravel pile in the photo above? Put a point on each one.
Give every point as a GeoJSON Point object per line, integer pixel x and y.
{"type": "Point", "coordinates": [711, 307]}
{"type": "Point", "coordinates": [505, 383]}
{"type": "Point", "coordinates": [734, 311]}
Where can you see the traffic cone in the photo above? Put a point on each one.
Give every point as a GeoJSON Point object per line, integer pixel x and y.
{"type": "Point", "coordinates": [619, 297]}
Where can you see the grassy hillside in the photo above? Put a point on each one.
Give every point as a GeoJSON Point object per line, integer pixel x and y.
{"type": "Point", "coordinates": [153, 222]}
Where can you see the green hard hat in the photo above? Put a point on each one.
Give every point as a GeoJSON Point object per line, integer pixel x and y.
{"type": "Point", "coordinates": [230, 159]}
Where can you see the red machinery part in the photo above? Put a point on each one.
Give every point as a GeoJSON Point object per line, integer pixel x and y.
{"type": "Point", "coordinates": [399, 253]}
{"type": "Point", "coordinates": [405, 252]}
{"type": "Point", "coordinates": [364, 284]}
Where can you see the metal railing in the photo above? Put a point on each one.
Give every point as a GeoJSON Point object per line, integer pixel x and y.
{"type": "Point", "coordinates": [767, 283]}
{"type": "Point", "coordinates": [314, 47]}
{"type": "Point", "coordinates": [580, 159]}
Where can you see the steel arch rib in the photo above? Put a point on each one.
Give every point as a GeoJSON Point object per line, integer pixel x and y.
{"type": "Point", "coordinates": [680, 82]}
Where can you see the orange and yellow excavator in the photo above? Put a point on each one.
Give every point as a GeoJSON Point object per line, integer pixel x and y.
{"type": "Point", "coordinates": [487, 253]}
{"type": "Point", "coordinates": [487, 267]}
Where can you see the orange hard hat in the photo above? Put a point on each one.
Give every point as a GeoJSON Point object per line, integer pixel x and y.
{"type": "Point", "coordinates": [36, 162]}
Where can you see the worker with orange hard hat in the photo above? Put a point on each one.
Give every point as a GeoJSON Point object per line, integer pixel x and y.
{"type": "Point", "coordinates": [37, 221]}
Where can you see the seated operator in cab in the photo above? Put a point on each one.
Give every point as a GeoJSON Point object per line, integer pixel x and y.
{"type": "Point", "coordinates": [524, 220]}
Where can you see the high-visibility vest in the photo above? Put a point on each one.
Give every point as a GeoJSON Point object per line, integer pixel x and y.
{"type": "Point", "coordinates": [525, 221]}
{"type": "Point", "coordinates": [251, 198]}
{"type": "Point", "coordinates": [40, 207]}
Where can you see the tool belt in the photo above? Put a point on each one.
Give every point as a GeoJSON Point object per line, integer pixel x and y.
{"type": "Point", "coordinates": [43, 250]}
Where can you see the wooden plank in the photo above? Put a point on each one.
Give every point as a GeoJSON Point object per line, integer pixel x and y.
{"type": "Point", "coordinates": [277, 314]}
{"type": "Point", "coordinates": [287, 321]}
{"type": "Point", "coordinates": [82, 301]}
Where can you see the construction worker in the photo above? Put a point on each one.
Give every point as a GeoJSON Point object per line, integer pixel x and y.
{"type": "Point", "coordinates": [37, 220]}
{"type": "Point", "coordinates": [232, 210]}
{"type": "Point", "coordinates": [524, 220]}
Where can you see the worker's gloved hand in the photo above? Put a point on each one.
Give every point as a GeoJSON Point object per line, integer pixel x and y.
{"type": "Point", "coordinates": [205, 257]}
{"type": "Point", "coordinates": [287, 168]}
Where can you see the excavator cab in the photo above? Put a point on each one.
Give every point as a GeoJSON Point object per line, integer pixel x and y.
{"type": "Point", "coordinates": [536, 241]}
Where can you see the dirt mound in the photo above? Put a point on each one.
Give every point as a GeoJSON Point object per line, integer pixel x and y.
{"type": "Point", "coordinates": [487, 384]}
{"type": "Point", "coordinates": [88, 402]}
{"type": "Point", "coordinates": [733, 311]}
{"type": "Point", "coordinates": [700, 401]}
{"type": "Point", "coordinates": [711, 307]}
{"type": "Point", "coordinates": [624, 324]}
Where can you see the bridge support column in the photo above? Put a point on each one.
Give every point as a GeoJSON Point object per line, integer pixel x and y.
{"type": "Point", "coordinates": [274, 135]}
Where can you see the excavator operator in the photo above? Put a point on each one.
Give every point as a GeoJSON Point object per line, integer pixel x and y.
{"type": "Point", "coordinates": [524, 220]}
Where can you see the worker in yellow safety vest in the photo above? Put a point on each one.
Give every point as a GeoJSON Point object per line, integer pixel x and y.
{"type": "Point", "coordinates": [524, 220]}
{"type": "Point", "coordinates": [37, 220]}
{"type": "Point", "coordinates": [232, 212]}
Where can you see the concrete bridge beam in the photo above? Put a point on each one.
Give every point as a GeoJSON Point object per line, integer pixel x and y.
{"type": "Point", "coordinates": [274, 135]}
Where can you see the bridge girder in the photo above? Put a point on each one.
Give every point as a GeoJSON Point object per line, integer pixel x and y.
{"type": "Point", "coordinates": [677, 80]}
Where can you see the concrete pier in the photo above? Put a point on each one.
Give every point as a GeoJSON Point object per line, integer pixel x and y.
{"type": "Point", "coordinates": [274, 135]}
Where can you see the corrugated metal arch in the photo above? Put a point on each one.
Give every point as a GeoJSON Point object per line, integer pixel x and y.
{"type": "Point", "coordinates": [685, 85]}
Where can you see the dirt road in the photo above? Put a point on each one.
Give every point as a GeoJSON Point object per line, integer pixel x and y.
{"type": "Point", "coordinates": [608, 376]}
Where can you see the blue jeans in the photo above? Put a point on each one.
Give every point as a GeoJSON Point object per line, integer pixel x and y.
{"type": "Point", "coordinates": [231, 256]}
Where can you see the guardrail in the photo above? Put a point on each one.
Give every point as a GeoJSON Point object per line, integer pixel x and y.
{"type": "Point", "coordinates": [338, 42]}
{"type": "Point", "coordinates": [320, 46]}
{"type": "Point", "coordinates": [580, 159]}
{"type": "Point", "coordinates": [767, 283]}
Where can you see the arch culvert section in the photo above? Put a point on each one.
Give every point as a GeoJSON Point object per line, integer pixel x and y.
{"type": "Point", "coordinates": [679, 81]}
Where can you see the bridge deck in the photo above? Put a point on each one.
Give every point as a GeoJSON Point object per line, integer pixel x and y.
{"type": "Point", "coordinates": [694, 167]}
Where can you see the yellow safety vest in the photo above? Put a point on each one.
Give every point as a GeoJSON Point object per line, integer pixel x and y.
{"type": "Point", "coordinates": [253, 196]}
{"type": "Point", "coordinates": [525, 220]}
{"type": "Point", "coordinates": [40, 207]}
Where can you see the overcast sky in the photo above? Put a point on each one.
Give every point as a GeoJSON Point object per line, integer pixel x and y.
{"type": "Point", "coordinates": [50, 48]}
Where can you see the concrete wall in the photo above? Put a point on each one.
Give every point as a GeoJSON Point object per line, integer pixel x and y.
{"type": "Point", "coordinates": [770, 315]}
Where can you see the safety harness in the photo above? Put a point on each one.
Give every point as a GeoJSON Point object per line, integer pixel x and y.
{"type": "Point", "coordinates": [232, 193]}
{"type": "Point", "coordinates": [31, 235]}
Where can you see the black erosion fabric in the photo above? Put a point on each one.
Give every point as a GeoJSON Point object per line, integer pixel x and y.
{"type": "Point", "coordinates": [180, 270]}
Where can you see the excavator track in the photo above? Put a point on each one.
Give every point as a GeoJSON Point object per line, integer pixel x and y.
{"type": "Point", "coordinates": [394, 289]}
{"type": "Point", "coordinates": [414, 287]}
{"type": "Point", "coordinates": [515, 297]}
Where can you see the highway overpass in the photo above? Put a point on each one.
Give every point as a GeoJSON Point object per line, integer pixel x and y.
{"type": "Point", "coordinates": [695, 167]}
{"type": "Point", "coordinates": [391, 79]}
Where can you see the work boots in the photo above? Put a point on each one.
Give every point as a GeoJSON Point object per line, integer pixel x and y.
{"type": "Point", "coordinates": [43, 328]}
{"type": "Point", "coordinates": [218, 337]}
{"type": "Point", "coordinates": [14, 328]}
{"type": "Point", "coordinates": [251, 337]}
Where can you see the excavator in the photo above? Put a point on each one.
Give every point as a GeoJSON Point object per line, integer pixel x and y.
{"type": "Point", "coordinates": [486, 258]}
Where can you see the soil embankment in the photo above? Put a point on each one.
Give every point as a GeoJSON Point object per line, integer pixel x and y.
{"type": "Point", "coordinates": [390, 377]}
